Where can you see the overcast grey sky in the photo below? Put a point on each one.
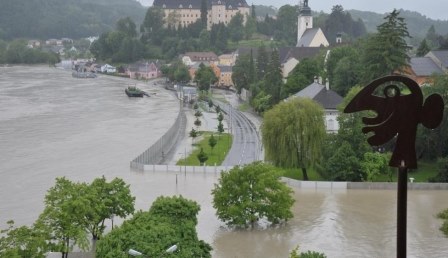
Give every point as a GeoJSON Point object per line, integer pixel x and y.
{"type": "Point", "coordinates": [435, 9]}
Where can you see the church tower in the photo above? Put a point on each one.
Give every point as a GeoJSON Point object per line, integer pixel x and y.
{"type": "Point", "coordinates": [305, 19]}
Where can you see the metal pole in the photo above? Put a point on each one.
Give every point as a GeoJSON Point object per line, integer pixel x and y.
{"type": "Point", "coordinates": [402, 195]}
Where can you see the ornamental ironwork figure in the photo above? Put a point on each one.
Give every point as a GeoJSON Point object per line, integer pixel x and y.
{"type": "Point", "coordinates": [397, 115]}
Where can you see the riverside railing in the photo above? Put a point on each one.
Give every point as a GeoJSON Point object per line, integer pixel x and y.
{"type": "Point", "coordinates": [159, 150]}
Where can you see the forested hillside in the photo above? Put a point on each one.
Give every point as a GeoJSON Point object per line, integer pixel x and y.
{"type": "Point", "coordinates": [44, 19]}
{"type": "Point", "coordinates": [417, 23]}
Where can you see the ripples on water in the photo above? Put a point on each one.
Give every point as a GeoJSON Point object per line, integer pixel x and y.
{"type": "Point", "coordinates": [54, 125]}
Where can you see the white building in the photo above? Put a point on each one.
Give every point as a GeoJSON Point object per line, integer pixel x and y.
{"type": "Point", "coordinates": [307, 36]}
{"type": "Point", "coordinates": [328, 99]}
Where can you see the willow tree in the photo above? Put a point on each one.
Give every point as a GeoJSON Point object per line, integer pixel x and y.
{"type": "Point", "coordinates": [293, 133]}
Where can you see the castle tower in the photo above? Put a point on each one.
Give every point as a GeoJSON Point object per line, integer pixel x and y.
{"type": "Point", "coordinates": [305, 19]}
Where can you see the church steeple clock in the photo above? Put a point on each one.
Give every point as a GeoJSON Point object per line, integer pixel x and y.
{"type": "Point", "coordinates": [305, 19]}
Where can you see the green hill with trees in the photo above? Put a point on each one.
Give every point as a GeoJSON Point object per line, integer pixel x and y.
{"type": "Point", "coordinates": [43, 19]}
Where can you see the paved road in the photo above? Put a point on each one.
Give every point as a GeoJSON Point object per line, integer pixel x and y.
{"type": "Point", "coordinates": [246, 147]}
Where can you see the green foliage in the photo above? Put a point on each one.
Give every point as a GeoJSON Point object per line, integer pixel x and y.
{"type": "Point", "coordinates": [212, 142]}
{"type": "Point", "coordinates": [442, 175]}
{"type": "Point", "coordinates": [69, 18]}
{"type": "Point", "coordinates": [340, 21]}
{"type": "Point", "coordinates": [343, 68]}
{"type": "Point", "coordinates": [247, 194]}
{"type": "Point", "coordinates": [127, 26]}
{"type": "Point", "coordinates": [218, 109]}
{"type": "Point", "coordinates": [22, 242]}
{"type": "Point", "coordinates": [205, 77]}
{"type": "Point", "coordinates": [169, 221]}
{"type": "Point", "coordinates": [218, 155]}
{"type": "Point", "coordinates": [177, 72]}
{"type": "Point", "coordinates": [423, 49]}
{"type": "Point", "coordinates": [274, 78]}
{"type": "Point", "coordinates": [220, 117]}
{"type": "Point", "coordinates": [197, 122]}
{"type": "Point", "coordinates": [386, 51]}
{"type": "Point", "coordinates": [444, 216]}
{"type": "Point", "coordinates": [236, 27]}
{"type": "Point", "coordinates": [301, 76]}
{"type": "Point", "coordinates": [193, 133]}
{"type": "Point", "coordinates": [293, 132]}
{"type": "Point", "coordinates": [198, 113]}
{"type": "Point", "coordinates": [152, 26]}
{"type": "Point", "coordinates": [202, 156]}
{"type": "Point", "coordinates": [66, 204]}
{"type": "Point", "coordinates": [240, 73]}
{"type": "Point", "coordinates": [374, 164]}
{"type": "Point", "coordinates": [344, 165]}
{"type": "Point", "coordinates": [220, 127]}
{"type": "Point", "coordinates": [433, 144]}
{"type": "Point", "coordinates": [286, 25]}
{"type": "Point", "coordinates": [309, 254]}
{"type": "Point", "coordinates": [17, 52]}
{"type": "Point", "coordinates": [107, 199]}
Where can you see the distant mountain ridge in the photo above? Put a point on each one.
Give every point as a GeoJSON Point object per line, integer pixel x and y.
{"type": "Point", "coordinates": [44, 19]}
{"type": "Point", "coordinates": [417, 23]}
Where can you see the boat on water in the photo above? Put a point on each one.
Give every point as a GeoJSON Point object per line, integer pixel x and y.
{"type": "Point", "coordinates": [133, 91]}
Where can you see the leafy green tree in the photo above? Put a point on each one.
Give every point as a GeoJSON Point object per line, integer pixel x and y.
{"type": "Point", "coordinates": [347, 74]}
{"type": "Point", "coordinates": [219, 37]}
{"type": "Point", "coordinates": [336, 55]}
{"type": "Point", "coordinates": [202, 156]}
{"type": "Point", "coordinates": [250, 193]}
{"type": "Point", "coordinates": [178, 72]}
{"type": "Point", "coordinates": [152, 26]}
{"type": "Point", "coordinates": [204, 12]}
{"type": "Point", "coordinates": [262, 62]}
{"type": "Point", "coordinates": [251, 27]}
{"type": "Point", "coordinates": [107, 200]}
{"type": "Point", "coordinates": [344, 165]}
{"type": "Point", "coordinates": [127, 26]}
{"type": "Point", "coordinates": [432, 37]}
{"type": "Point", "coordinates": [241, 73]}
{"type": "Point", "coordinates": [193, 134]}
{"type": "Point", "coordinates": [387, 51]}
{"type": "Point", "coordinates": [65, 207]}
{"type": "Point", "coordinates": [442, 175]}
{"type": "Point", "coordinates": [373, 164]}
{"type": "Point", "coordinates": [220, 128]}
{"type": "Point", "coordinates": [198, 113]}
{"type": "Point", "coordinates": [236, 27]}
{"type": "Point", "coordinates": [205, 77]}
{"type": "Point", "coordinates": [204, 39]}
{"type": "Point", "coordinates": [286, 25]}
{"type": "Point", "coordinates": [23, 242]}
{"type": "Point", "coordinates": [212, 142]}
{"type": "Point", "coordinates": [169, 221]}
{"type": "Point", "coordinates": [197, 122]}
{"type": "Point", "coordinates": [274, 78]}
{"type": "Point", "coordinates": [433, 144]}
{"type": "Point", "coordinates": [301, 76]}
{"type": "Point", "coordinates": [218, 109]}
{"type": "Point", "coordinates": [423, 48]}
{"type": "Point", "coordinates": [220, 117]}
{"type": "Point", "coordinates": [293, 132]}
{"type": "Point", "coordinates": [210, 104]}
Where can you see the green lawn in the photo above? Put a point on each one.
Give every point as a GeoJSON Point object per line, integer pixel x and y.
{"type": "Point", "coordinates": [218, 154]}
{"type": "Point", "coordinates": [425, 171]}
{"type": "Point", "coordinates": [297, 174]}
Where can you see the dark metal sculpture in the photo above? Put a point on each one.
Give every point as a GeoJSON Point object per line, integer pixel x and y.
{"type": "Point", "coordinates": [397, 116]}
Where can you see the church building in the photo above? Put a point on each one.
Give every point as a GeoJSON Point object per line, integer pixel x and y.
{"type": "Point", "coordinates": [185, 12]}
{"type": "Point", "coordinates": [307, 36]}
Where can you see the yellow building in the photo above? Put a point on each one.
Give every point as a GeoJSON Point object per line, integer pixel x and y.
{"type": "Point", "coordinates": [186, 12]}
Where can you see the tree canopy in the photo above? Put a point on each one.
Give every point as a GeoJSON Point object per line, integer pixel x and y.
{"type": "Point", "coordinates": [250, 193]}
{"type": "Point", "coordinates": [293, 133]}
{"type": "Point", "coordinates": [169, 221]}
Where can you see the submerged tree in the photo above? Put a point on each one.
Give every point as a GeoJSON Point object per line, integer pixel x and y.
{"type": "Point", "coordinates": [252, 192]}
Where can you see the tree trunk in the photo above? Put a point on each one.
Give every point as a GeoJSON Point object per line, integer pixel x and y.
{"type": "Point", "coordinates": [305, 174]}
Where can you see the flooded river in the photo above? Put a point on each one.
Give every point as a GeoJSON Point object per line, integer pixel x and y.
{"type": "Point", "coordinates": [54, 125]}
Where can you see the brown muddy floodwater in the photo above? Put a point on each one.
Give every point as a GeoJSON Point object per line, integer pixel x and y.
{"type": "Point", "coordinates": [53, 125]}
